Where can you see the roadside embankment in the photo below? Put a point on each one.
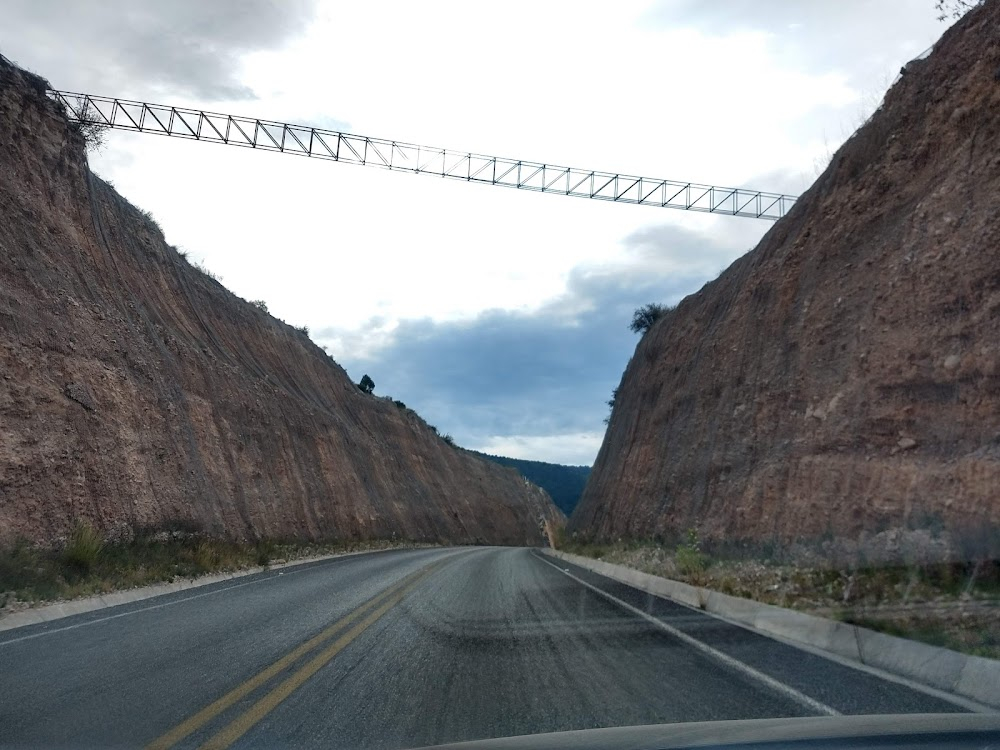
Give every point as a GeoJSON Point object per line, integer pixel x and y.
{"type": "Point", "coordinates": [973, 677]}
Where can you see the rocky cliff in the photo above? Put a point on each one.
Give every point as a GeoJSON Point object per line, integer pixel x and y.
{"type": "Point", "coordinates": [136, 391]}
{"type": "Point", "coordinates": [844, 376]}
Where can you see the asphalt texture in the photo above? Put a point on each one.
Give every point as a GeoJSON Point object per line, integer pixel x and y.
{"type": "Point", "coordinates": [438, 645]}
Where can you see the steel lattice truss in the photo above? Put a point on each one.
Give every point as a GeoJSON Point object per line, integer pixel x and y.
{"type": "Point", "coordinates": [302, 140]}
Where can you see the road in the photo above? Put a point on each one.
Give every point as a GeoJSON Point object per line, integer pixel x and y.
{"type": "Point", "coordinates": [403, 649]}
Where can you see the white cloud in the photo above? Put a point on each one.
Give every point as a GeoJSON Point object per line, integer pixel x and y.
{"type": "Point", "coordinates": [575, 449]}
{"type": "Point", "coordinates": [728, 93]}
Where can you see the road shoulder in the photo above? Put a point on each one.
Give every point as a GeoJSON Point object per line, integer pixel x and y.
{"type": "Point", "coordinates": [968, 681]}
{"type": "Point", "coordinates": [58, 610]}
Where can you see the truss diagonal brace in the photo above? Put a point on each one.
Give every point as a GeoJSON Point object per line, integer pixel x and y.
{"type": "Point", "coordinates": [181, 122]}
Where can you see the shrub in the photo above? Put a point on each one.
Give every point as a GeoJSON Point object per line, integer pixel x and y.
{"type": "Point", "coordinates": [265, 552]}
{"type": "Point", "coordinates": [614, 397]}
{"type": "Point", "coordinates": [690, 561]}
{"type": "Point", "coordinates": [90, 127]}
{"type": "Point", "coordinates": [201, 267]}
{"type": "Point", "coordinates": [689, 558]}
{"type": "Point", "coordinates": [367, 385]}
{"type": "Point", "coordinates": [400, 404]}
{"type": "Point", "coordinates": [149, 219]}
{"type": "Point", "coordinates": [259, 304]}
{"type": "Point", "coordinates": [449, 440]}
{"type": "Point", "coordinates": [205, 556]}
{"type": "Point", "coordinates": [611, 405]}
{"type": "Point", "coordinates": [83, 548]}
{"type": "Point", "coordinates": [644, 318]}
{"type": "Point", "coordinates": [952, 9]}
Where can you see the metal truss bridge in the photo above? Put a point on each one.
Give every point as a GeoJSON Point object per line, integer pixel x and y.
{"type": "Point", "coordinates": [333, 145]}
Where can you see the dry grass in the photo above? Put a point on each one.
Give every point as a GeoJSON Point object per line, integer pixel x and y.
{"type": "Point", "coordinates": [86, 565]}
{"type": "Point", "coordinates": [955, 605]}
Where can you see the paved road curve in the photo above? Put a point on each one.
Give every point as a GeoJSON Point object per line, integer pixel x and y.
{"type": "Point", "coordinates": [402, 649]}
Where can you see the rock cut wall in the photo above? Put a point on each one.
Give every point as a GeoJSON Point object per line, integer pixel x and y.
{"type": "Point", "coordinates": [844, 376]}
{"type": "Point", "coordinates": [135, 391]}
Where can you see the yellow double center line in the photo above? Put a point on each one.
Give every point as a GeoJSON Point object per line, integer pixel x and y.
{"type": "Point", "coordinates": [367, 613]}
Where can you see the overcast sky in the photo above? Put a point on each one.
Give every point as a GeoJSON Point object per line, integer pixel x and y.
{"type": "Point", "coordinates": [501, 316]}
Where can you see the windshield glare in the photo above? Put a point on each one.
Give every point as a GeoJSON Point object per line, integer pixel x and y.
{"type": "Point", "coordinates": [687, 436]}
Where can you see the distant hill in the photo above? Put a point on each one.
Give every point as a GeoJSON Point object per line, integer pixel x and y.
{"type": "Point", "coordinates": [563, 483]}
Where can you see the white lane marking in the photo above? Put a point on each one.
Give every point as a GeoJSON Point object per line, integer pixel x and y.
{"type": "Point", "coordinates": [967, 703]}
{"type": "Point", "coordinates": [303, 569]}
{"type": "Point", "coordinates": [780, 687]}
{"type": "Point", "coordinates": [130, 612]}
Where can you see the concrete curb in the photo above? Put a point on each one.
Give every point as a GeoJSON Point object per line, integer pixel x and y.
{"type": "Point", "coordinates": [49, 612]}
{"type": "Point", "coordinates": [972, 677]}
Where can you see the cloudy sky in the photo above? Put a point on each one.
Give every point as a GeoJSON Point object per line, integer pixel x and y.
{"type": "Point", "coordinates": [500, 316]}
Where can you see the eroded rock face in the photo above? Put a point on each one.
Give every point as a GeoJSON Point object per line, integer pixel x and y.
{"type": "Point", "coordinates": [844, 376]}
{"type": "Point", "coordinates": [135, 391]}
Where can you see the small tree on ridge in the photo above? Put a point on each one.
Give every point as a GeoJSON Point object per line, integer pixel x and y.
{"type": "Point", "coordinates": [645, 316]}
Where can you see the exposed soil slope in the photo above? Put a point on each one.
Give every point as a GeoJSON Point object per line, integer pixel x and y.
{"type": "Point", "coordinates": [135, 391]}
{"type": "Point", "coordinates": [844, 376]}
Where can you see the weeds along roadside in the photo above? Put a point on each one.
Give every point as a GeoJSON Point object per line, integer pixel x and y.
{"type": "Point", "coordinates": [87, 565]}
{"type": "Point", "coordinates": [954, 604]}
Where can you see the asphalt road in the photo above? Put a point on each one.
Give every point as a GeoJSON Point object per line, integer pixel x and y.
{"type": "Point", "coordinates": [403, 649]}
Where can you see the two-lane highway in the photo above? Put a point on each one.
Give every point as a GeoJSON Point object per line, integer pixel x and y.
{"type": "Point", "coordinates": [403, 649]}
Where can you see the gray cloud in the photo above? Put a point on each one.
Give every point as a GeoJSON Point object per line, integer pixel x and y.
{"type": "Point", "coordinates": [140, 47]}
{"type": "Point", "coordinates": [546, 373]}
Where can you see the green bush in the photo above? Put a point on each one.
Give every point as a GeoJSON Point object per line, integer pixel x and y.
{"type": "Point", "coordinates": [690, 561]}
{"type": "Point", "coordinates": [644, 318]}
{"type": "Point", "coordinates": [688, 557]}
{"type": "Point", "coordinates": [611, 405]}
{"type": "Point", "coordinates": [205, 557]}
{"type": "Point", "coordinates": [83, 548]}
{"type": "Point", "coordinates": [265, 552]}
